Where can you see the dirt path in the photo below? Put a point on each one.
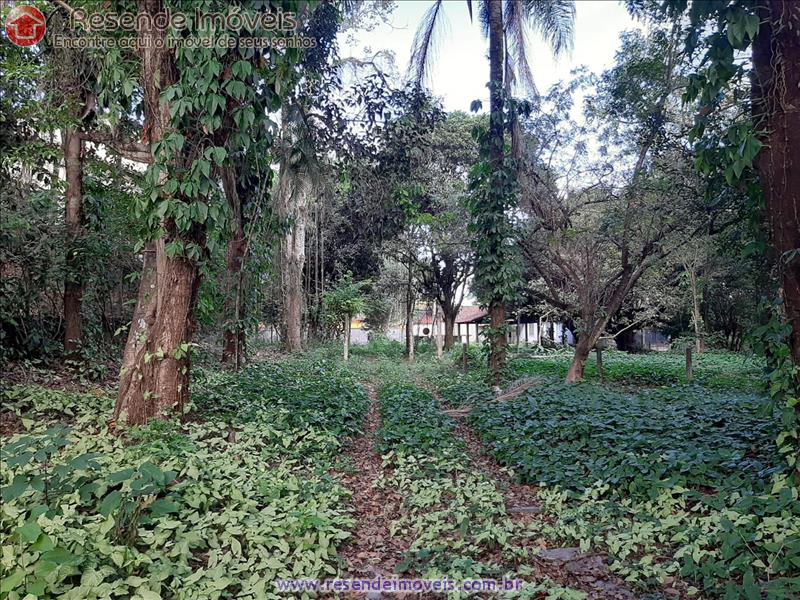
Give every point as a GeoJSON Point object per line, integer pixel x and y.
{"type": "Point", "coordinates": [517, 496]}
{"type": "Point", "coordinates": [567, 566]}
{"type": "Point", "coordinates": [371, 552]}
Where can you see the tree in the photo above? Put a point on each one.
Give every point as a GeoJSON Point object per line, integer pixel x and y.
{"type": "Point", "coordinates": [317, 129]}
{"type": "Point", "coordinates": [70, 93]}
{"type": "Point", "coordinates": [73, 216]}
{"type": "Point", "coordinates": [342, 303]}
{"type": "Point", "coordinates": [296, 184]}
{"type": "Point", "coordinates": [758, 151]}
{"type": "Point", "coordinates": [64, 274]}
{"type": "Point", "coordinates": [446, 261]}
{"type": "Point", "coordinates": [507, 64]}
{"type": "Point", "coordinates": [765, 141]}
{"type": "Point", "coordinates": [444, 279]}
{"type": "Point", "coordinates": [245, 186]}
{"type": "Point", "coordinates": [776, 96]}
{"type": "Point", "coordinates": [596, 228]}
{"type": "Point", "coordinates": [199, 108]}
{"type": "Point", "coordinates": [374, 185]}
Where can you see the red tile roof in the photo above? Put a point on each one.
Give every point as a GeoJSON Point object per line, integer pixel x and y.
{"type": "Point", "coordinates": [467, 314]}
{"type": "Point", "coordinates": [470, 314]}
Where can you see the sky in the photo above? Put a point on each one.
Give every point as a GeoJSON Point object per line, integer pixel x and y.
{"type": "Point", "coordinates": [461, 69]}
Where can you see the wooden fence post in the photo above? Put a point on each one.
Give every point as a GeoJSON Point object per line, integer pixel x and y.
{"type": "Point", "coordinates": [465, 354]}
{"type": "Point", "coordinates": [600, 364]}
{"type": "Point", "coordinates": [689, 363]}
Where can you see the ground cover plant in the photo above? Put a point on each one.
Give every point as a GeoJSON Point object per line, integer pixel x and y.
{"type": "Point", "coordinates": [672, 482]}
{"type": "Point", "coordinates": [217, 507]}
{"type": "Point", "coordinates": [718, 370]}
{"type": "Point", "coordinates": [575, 435]}
{"type": "Point", "coordinates": [454, 514]}
{"type": "Point", "coordinates": [732, 545]}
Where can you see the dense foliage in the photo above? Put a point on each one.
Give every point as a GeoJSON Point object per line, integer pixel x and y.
{"type": "Point", "coordinates": [218, 506]}
{"type": "Point", "coordinates": [670, 481]}
{"type": "Point", "coordinates": [574, 436]}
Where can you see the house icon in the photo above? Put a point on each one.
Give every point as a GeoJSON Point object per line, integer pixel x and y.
{"type": "Point", "coordinates": [25, 25]}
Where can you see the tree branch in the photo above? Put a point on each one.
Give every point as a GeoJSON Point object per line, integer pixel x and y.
{"type": "Point", "coordinates": [130, 149]}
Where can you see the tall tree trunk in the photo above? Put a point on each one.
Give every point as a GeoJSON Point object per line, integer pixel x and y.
{"type": "Point", "coordinates": [155, 378]}
{"type": "Point", "coordinates": [178, 285]}
{"type": "Point", "coordinates": [697, 317]}
{"type": "Point", "coordinates": [776, 95]}
{"type": "Point", "coordinates": [292, 261]}
{"type": "Point", "coordinates": [73, 218]}
{"type": "Point", "coordinates": [131, 378]}
{"type": "Point", "coordinates": [449, 328]}
{"type": "Point", "coordinates": [233, 336]}
{"type": "Point", "coordinates": [410, 310]}
{"type": "Point", "coordinates": [346, 338]}
{"type": "Point", "coordinates": [157, 381]}
{"type": "Point", "coordinates": [294, 192]}
{"type": "Point", "coordinates": [497, 310]}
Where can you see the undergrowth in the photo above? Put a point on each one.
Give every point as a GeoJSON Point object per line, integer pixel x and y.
{"type": "Point", "coordinates": [676, 482]}
{"type": "Point", "coordinates": [218, 507]}
{"type": "Point", "coordinates": [716, 370]}
{"type": "Point", "coordinates": [455, 515]}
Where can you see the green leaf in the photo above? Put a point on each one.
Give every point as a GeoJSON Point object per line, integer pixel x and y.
{"type": "Point", "coordinates": [61, 557]}
{"type": "Point", "coordinates": [121, 475]}
{"type": "Point", "coordinates": [162, 507]}
{"type": "Point", "coordinates": [751, 25]}
{"type": "Point", "coordinates": [43, 544]}
{"type": "Point", "coordinates": [111, 503]}
{"type": "Point", "coordinates": [36, 587]}
{"type": "Point", "coordinates": [21, 459]}
{"type": "Point", "coordinates": [751, 590]}
{"type": "Point", "coordinates": [17, 487]}
{"type": "Point", "coordinates": [219, 153]}
{"type": "Point", "coordinates": [12, 581]}
{"type": "Point", "coordinates": [29, 532]}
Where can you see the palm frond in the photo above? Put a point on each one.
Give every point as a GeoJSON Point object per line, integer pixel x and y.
{"type": "Point", "coordinates": [516, 35]}
{"type": "Point", "coordinates": [483, 16]}
{"type": "Point", "coordinates": [554, 20]}
{"type": "Point", "coordinates": [425, 42]}
{"type": "Point", "coordinates": [349, 6]}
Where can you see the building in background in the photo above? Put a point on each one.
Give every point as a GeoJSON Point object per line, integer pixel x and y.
{"type": "Point", "coordinates": [473, 320]}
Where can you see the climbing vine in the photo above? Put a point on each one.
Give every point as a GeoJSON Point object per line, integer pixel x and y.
{"type": "Point", "coordinates": [493, 195]}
